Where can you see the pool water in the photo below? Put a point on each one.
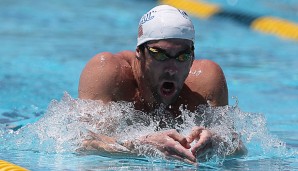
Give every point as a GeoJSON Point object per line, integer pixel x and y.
{"type": "Point", "coordinates": [45, 45]}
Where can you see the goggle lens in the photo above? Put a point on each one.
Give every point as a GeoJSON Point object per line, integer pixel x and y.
{"type": "Point", "coordinates": [162, 56]}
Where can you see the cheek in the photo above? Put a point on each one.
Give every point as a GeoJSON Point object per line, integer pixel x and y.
{"type": "Point", "coordinates": [151, 72]}
{"type": "Point", "coordinates": [185, 71]}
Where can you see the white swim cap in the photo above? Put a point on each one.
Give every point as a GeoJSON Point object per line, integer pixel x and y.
{"type": "Point", "coordinates": [164, 22]}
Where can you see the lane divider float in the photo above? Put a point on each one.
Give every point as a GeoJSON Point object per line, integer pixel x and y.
{"type": "Point", "coordinates": [6, 166]}
{"type": "Point", "coordinates": [266, 24]}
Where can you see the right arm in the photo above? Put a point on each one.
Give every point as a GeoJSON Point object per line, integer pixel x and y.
{"type": "Point", "coordinates": [169, 142]}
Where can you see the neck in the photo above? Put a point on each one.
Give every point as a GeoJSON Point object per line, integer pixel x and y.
{"type": "Point", "coordinates": [136, 69]}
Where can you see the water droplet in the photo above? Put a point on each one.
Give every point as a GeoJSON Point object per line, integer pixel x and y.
{"type": "Point", "coordinates": [102, 58]}
{"type": "Point", "coordinates": [195, 72]}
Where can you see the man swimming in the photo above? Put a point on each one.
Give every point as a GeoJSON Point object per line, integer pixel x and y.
{"type": "Point", "coordinates": [162, 71]}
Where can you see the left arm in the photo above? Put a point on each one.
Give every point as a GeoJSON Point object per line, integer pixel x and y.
{"type": "Point", "coordinates": [213, 87]}
{"type": "Point", "coordinates": [206, 141]}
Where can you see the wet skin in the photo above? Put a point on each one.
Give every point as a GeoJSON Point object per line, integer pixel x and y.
{"type": "Point", "coordinates": [138, 77]}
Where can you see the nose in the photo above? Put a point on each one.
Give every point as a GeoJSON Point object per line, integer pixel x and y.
{"type": "Point", "coordinates": [171, 70]}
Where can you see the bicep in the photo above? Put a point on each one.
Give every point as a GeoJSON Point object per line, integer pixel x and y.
{"type": "Point", "coordinates": [218, 89]}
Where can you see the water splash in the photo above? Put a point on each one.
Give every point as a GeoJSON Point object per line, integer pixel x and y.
{"type": "Point", "coordinates": [195, 72]}
{"type": "Point", "coordinates": [67, 123]}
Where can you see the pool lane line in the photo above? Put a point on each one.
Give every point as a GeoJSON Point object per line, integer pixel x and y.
{"type": "Point", "coordinates": [6, 166]}
{"type": "Point", "coordinates": [266, 24]}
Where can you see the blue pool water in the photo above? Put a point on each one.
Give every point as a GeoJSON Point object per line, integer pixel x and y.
{"type": "Point", "coordinates": [45, 45]}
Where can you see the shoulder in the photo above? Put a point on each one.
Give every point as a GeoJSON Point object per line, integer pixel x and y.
{"type": "Point", "coordinates": [98, 78]}
{"type": "Point", "coordinates": [105, 59]}
{"type": "Point", "coordinates": [206, 66]}
{"type": "Point", "coordinates": [207, 78]}
{"type": "Point", "coordinates": [207, 72]}
{"type": "Point", "coordinates": [100, 65]}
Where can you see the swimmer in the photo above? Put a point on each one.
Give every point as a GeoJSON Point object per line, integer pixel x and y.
{"type": "Point", "coordinates": [161, 71]}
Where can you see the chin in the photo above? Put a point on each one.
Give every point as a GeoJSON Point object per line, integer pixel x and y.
{"type": "Point", "coordinates": [168, 100]}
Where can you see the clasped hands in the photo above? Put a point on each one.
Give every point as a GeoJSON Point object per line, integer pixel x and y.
{"type": "Point", "coordinates": [172, 144]}
{"type": "Point", "coordinates": [197, 145]}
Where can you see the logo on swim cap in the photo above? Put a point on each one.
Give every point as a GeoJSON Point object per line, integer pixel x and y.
{"type": "Point", "coordinates": [147, 17]}
{"type": "Point", "coordinates": [164, 22]}
{"type": "Point", "coordinates": [184, 14]}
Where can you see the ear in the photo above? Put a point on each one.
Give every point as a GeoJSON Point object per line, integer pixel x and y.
{"type": "Point", "coordinates": [193, 54]}
{"type": "Point", "coordinates": [138, 53]}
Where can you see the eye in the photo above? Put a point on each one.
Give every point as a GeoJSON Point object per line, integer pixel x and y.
{"type": "Point", "coordinates": [161, 56]}
{"type": "Point", "coordinates": [183, 57]}
{"type": "Point", "coordinates": [153, 50]}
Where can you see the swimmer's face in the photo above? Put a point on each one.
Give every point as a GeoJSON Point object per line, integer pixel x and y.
{"type": "Point", "coordinates": [166, 77]}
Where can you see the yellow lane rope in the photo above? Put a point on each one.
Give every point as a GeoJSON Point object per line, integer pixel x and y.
{"type": "Point", "coordinates": [6, 166]}
{"type": "Point", "coordinates": [266, 24]}
{"type": "Point", "coordinates": [196, 8]}
{"type": "Point", "coordinates": [277, 26]}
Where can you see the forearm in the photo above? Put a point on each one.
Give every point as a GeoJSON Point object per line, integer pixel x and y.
{"type": "Point", "coordinates": [228, 147]}
{"type": "Point", "coordinates": [96, 147]}
{"type": "Point", "coordinates": [103, 145]}
{"type": "Point", "coordinates": [139, 147]}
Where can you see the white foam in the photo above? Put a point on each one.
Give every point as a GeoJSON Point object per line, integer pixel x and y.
{"type": "Point", "coordinates": [67, 123]}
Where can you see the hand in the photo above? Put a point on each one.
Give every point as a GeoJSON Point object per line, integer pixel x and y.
{"type": "Point", "coordinates": [203, 147]}
{"type": "Point", "coordinates": [172, 144]}
{"type": "Point", "coordinates": [102, 144]}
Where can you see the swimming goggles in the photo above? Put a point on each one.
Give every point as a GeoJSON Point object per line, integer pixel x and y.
{"type": "Point", "coordinates": [162, 55]}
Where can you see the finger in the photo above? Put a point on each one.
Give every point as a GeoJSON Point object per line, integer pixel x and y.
{"type": "Point", "coordinates": [200, 144]}
{"type": "Point", "coordinates": [176, 157]}
{"type": "Point", "coordinates": [180, 138]}
{"type": "Point", "coordinates": [203, 150]}
{"type": "Point", "coordinates": [204, 154]}
{"type": "Point", "coordinates": [169, 155]}
{"type": "Point", "coordinates": [195, 133]}
{"type": "Point", "coordinates": [205, 138]}
{"type": "Point", "coordinates": [175, 148]}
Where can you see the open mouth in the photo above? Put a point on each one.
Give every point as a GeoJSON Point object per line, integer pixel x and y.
{"type": "Point", "coordinates": [168, 88]}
